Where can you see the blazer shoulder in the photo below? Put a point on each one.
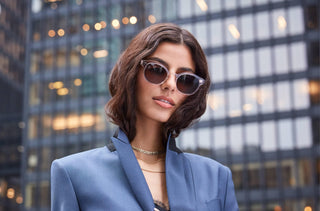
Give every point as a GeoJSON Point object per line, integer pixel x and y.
{"type": "Point", "coordinates": [200, 163]}
{"type": "Point", "coordinates": [204, 161]}
{"type": "Point", "coordinates": [82, 159]}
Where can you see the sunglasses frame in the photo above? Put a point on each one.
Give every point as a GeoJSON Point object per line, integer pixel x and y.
{"type": "Point", "coordinates": [144, 64]}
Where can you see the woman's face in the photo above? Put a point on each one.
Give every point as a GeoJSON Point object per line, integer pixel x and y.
{"type": "Point", "coordinates": [157, 102]}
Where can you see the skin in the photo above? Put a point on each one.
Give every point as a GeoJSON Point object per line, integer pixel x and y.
{"type": "Point", "coordinates": [155, 105]}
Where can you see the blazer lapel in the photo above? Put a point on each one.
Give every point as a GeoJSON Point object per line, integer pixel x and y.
{"type": "Point", "coordinates": [133, 172]}
{"type": "Point", "coordinates": [179, 179]}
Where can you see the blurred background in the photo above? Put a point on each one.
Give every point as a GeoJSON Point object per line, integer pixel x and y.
{"type": "Point", "coordinates": [263, 112]}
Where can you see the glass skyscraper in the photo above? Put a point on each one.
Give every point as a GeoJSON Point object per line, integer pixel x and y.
{"type": "Point", "coordinates": [12, 54]}
{"type": "Point", "coordinates": [263, 111]}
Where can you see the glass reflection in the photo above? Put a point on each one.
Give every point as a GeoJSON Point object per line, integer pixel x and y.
{"type": "Point", "coordinates": [216, 102]}
{"type": "Point", "coordinates": [263, 26]}
{"type": "Point", "coordinates": [185, 8]}
{"type": "Point", "coordinates": [286, 134]}
{"type": "Point", "coordinates": [280, 53]}
{"type": "Point", "coordinates": [188, 140]}
{"type": "Point", "coordinates": [268, 136]}
{"type": "Point", "coordinates": [236, 139]}
{"type": "Point", "coordinates": [314, 91]}
{"type": "Point", "coordinates": [269, 142]}
{"type": "Point", "coordinates": [248, 63]}
{"type": "Point", "coordinates": [269, 61]}
{"type": "Point", "coordinates": [283, 95]}
{"type": "Point", "coordinates": [54, 91]}
{"type": "Point", "coordinates": [216, 36]}
{"type": "Point", "coordinates": [72, 123]}
{"type": "Point", "coordinates": [305, 172]}
{"type": "Point", "coordinates": [298, 56]}
{"type": "Point", "coordinates": [220, 143]}
{"type": "Point", "coordinates": [265, 98]}
{"type": "Point", "coordinates": [233, 65]}
{"type": "Point", "coordinates": [215, 5]}
{"type": "Point", "coordinates": [250, 105]}
{"type": "Point", "coordinates": [234, 103]}
{"type": "Point", "coordinates": [296, 20]}
{"type": "Point", "coordinates": [231, 35]}
{"type": "Point", "coordinates": [303, 133]}
{"type": "Point", "coordinates": [275, 135]}
{"type": "Point", "coordinates": [252, 140]}
{"type": "Point", "coordinates": [279, 28]}
{"type": "Point", "coordinates": [247, 28]}
{"type": "Point", "coordinates": [200, 35]}
{"type": "Point", "coordinates": [216, 67]}
{"type": "Point", "coordinates": [264, 61]}
{"type": "Point", "coordinates": [301, 94]}
{"type": "Point", "coordinates": [204, 145]}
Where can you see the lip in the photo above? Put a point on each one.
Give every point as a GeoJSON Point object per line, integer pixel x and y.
{"type": "Point", "coordinates": [163, 101]}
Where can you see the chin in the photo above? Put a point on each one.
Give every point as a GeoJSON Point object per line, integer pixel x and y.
{"type": "Point", "coordinates": [161, 118]}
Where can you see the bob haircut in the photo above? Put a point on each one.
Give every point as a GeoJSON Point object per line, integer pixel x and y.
{"type": "Point", "coordinates": [121, 108]}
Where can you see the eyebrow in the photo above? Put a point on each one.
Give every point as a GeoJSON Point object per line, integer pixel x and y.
{"type": "Point", "coordinates": [167, 65]}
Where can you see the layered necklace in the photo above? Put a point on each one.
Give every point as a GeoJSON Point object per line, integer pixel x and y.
{"type": "Point", "coordinates": [153, 171]}
{"type": "Point", "coordinates": [146, 151]}
{"type": "Point", "coordinates": [143, 163]}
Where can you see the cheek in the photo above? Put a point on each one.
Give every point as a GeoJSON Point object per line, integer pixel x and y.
{"type": "Point", "coordinates": [143, 89]}
{"type": "Point", "coordinates": [141, 85]}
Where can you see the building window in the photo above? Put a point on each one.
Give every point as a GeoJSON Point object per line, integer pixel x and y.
{"type": "Point", "coordinates": [305, 172]}
{"type": "Point", "coordinates": [286, 134]}
{"type": "Point", "coordinates": [314, 53]}
{"type": "Point", "coordinates": [315, 130]}
{"type": "Point", "coordinates": [303, 132]}
{"type": "Point", "coordinates": [312, 17]}
{"type": "Point", "coordinates": [37, 194]}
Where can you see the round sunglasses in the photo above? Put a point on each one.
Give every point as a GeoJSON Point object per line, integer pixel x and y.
{"type": "Point", "coordinates": [155, 73]}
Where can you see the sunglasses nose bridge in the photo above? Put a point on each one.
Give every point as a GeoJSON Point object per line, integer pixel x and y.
{"type": "Point", "coordinates": [170, 81]}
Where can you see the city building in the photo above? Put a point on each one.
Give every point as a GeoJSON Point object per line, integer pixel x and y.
{"type": "Point", "coordinates": [263, 111]}
{"type": "Point", "coordinates": [12, 54]}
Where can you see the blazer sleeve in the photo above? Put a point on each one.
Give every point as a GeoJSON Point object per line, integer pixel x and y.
{"type": "Point", "coordinates": [231, 203]}
{"type": "Point", "coordinates": [63, 196]}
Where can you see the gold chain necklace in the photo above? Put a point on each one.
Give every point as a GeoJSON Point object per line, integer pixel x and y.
{"type": "Point", "coordinates": [152, 171]}
{"type": "Point", "coordinates": [146, 151]}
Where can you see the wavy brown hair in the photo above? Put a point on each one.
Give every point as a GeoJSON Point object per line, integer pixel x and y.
{"type": "Point", "coordinates": [121, 108]}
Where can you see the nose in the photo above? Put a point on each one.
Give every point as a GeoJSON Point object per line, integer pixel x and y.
{"type": "Point", "coordinates": [170, 83]}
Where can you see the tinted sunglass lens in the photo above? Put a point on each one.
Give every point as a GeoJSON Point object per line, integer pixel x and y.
{"type": "Point", "coordinates": [187, 84]}
{"type": "Point", "coordinates": [155, 73]}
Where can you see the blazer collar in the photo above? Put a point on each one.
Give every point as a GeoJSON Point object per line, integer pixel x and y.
{"type": "Point", "coordinates": [132, 170]}
{"type": "Point", "coordinates": [179, 179]}
{"type": "Point", "coordinates": [180, 187]}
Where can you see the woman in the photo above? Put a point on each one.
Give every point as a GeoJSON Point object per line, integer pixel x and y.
{"type": "Point", "coordinates": [158, 87]}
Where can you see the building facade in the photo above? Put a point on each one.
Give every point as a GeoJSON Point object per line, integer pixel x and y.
{"type": "Point", "coordinates": [12, 53]}
{"type": "Point", "coordinates": [262, 119]}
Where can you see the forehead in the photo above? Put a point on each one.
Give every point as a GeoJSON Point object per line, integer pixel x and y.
{"type": "Point", "coordinates": [175, 55]}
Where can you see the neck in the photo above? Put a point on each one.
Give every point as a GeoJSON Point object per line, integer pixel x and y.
{"type": "Point", "coordinates": [148, 137]}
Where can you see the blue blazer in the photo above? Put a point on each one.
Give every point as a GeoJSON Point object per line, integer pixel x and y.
{"type": "Point", "coordinates": [110, 178]}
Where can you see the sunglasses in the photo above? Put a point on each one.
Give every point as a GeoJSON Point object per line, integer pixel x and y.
{"type": "Point", "coordinates": [155, 73]}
